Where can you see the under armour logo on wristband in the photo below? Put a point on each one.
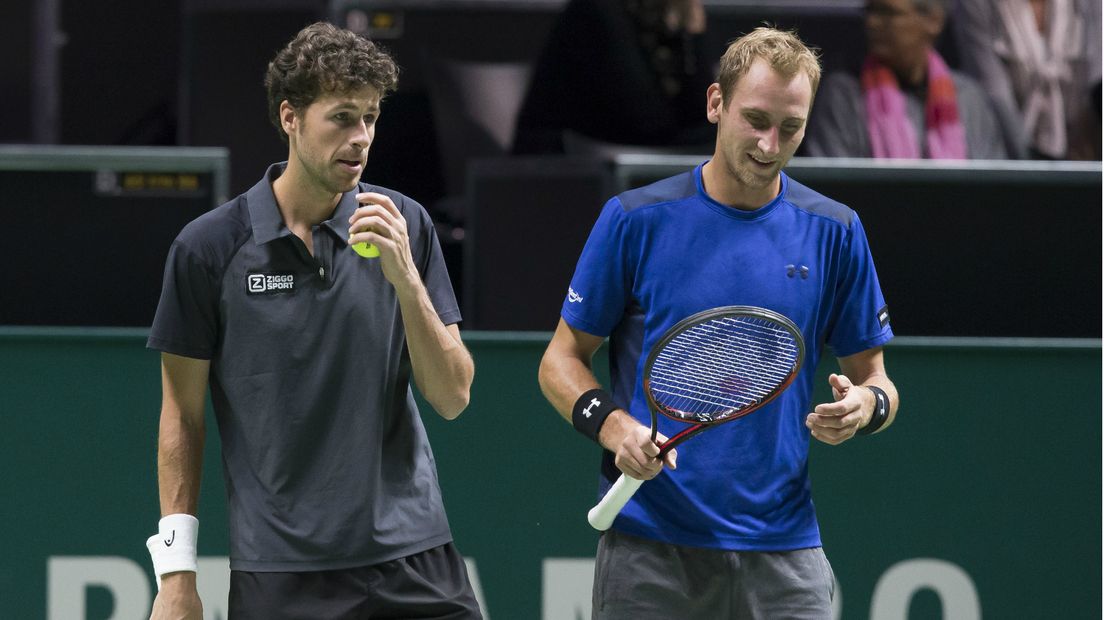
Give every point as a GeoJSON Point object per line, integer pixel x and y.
{"type": "Point", "coordinates": [168, 543]}
{"type": "Point", "coordinates": [589, 418]}
{"type": "Point", "coordinates": [594, 402]}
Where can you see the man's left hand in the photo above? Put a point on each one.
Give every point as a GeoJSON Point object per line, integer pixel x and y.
{"type": "Point", "coordinates": [835, 423]}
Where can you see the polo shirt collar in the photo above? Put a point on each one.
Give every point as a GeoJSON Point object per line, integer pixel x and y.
{"type": "Point", "coordinates": [339, 223]}
{"type": "Point", "coordinates": [264, 214]}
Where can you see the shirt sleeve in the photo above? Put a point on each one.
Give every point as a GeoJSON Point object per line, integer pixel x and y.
{"type": "Point", "coordinates": [186, 322]}
{"type": "Point", "coordinates": [860, 316]}
{"type": "Point", "coordinates": [431, 264]}
{"type": "Point", "coordinates": [602, 285]}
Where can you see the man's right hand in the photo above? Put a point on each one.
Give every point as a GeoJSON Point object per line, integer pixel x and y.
{"type": "Point", "coordinates": [178, 598]}
{"type": "Point", "coordinates": [634, 452]}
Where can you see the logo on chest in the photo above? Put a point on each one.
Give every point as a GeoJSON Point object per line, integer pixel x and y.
{"type": "Point", "coordinates": [269, 284]}
{"type": "Point", "coordinates": [797, 271]}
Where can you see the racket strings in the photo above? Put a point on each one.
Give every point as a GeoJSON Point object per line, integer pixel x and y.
{"type": "Point", "coordinates": [710, 375]}
{"type": "Point", "coordinates": [716, 368]}
{"type": "Point", "coordinates": [733, 387]}
{"type": "Point", "coordinates": [746, 355]}
{"type": "Point", "coordinates": [706, 394]}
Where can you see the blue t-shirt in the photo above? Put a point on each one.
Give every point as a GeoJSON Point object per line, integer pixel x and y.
{"type": "Point", "coordinates": [661, 253]}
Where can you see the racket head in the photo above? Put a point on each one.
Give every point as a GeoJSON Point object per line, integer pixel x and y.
{"type": "Point", "coordinates": [722, 364]}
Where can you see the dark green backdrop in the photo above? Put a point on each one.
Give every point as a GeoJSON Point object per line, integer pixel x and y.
{"type": "Point", "coordinates": [993, 466]}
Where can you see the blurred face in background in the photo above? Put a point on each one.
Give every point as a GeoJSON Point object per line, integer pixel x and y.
{"type": "Point", "coordinates": [899, 33]}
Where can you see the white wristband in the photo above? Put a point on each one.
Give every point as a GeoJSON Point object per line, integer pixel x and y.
{"type": "Point", "coordinates": [173, 548]}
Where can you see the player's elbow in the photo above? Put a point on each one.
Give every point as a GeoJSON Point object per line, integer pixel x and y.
{"type": "Point", "coordinates": [550, 370]}
{"type": "Point", "coordinates": [450, 393]}
{"type": "Point", "coordinates": [450, 406]}
{"type": "Point", "coordinates": [453, 399]}
{"type": "Point", "coordinates": [543, 372]}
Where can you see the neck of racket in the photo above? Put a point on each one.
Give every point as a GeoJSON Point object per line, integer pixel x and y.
{"type": "Point", "coordinates": [678, 438]}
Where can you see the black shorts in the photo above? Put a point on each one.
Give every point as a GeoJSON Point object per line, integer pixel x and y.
{"type": "Point", "coordinates": [430, 584]}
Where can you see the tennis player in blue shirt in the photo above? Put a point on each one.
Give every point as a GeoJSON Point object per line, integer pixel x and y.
{"type": "Point", "coordinates": [732, 532]}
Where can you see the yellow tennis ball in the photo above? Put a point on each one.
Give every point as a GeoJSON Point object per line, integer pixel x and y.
{"type": "Point", "coordinates": [365, 249]}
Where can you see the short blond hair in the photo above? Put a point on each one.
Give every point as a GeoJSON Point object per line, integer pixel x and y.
{"type": "Point", "coordinates": [783, 50]}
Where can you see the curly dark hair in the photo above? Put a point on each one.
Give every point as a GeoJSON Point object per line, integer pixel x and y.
{"type": "Point", "coordinates": [323, 58]}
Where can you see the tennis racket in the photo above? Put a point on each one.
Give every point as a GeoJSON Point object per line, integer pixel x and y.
{"type": "Point", "coordinates": [712, 367]}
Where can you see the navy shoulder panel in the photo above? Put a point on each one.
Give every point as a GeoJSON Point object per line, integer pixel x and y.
{"type": "Point", "coordinates": [670, 189]}
{"type": "Point", "coordinates": [816, 203]}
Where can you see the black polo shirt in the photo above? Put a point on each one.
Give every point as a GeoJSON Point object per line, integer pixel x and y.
{"type": "Point", "coordinates": [326, 460]}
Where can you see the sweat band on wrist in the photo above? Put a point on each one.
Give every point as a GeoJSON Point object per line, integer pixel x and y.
{"type": "Point", "coordinates": [173, 548]}
{"type": "Point", "coordinates": [881, 411]}
{"type": "Point", "coordinates": [591, 410]}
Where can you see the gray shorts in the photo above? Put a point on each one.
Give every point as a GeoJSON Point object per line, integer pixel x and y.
{"type": "Point", "coordinates": [431, 584]}
{"type": "Point", "coordinates": [640, 579]}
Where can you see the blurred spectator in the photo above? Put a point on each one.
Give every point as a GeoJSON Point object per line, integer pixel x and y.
{"type": "Point", "coordinates": [905, 102]}
{"type": "Point", "coordinates": [620, 71]}
{"type": "Point", "coordinates": [1040, 62]}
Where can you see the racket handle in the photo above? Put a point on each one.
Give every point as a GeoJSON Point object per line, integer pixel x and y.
{"type": "Point", "coordinates": [602, 515]}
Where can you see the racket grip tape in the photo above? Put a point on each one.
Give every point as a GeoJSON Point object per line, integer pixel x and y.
{"type": "Point", "coordinates": [602, 515]}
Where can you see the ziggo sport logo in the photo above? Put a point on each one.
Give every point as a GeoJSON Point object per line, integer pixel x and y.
{"type": "Point", "coordinates": [265, 283]}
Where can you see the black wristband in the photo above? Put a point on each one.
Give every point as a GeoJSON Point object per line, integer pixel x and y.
{"type": "Point", "coordinates": [591, 410]}
{"type": "Point", "coordinates": [881, 411]}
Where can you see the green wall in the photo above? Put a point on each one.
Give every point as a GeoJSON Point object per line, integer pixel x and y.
{"type": "Point", "coordinates": [992, 469]}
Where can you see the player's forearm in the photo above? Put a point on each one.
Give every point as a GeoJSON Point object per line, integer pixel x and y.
{"type": "Point", "coordinates": [443, 368]}
{"type": "Point", "coordinates": [565, 374]}
{"type": "Point", "coordinates": [891, 392]}
{"type": "Point", "coordinates": [565, 371]}
{"type": "Point", "coordinates": [179, 461]}
{"type": "Point", "coordinates": [882, 381]}
{"type": "Point", "coordinates": [868, 368]}
{"type": "Point", "coordinates": [563, 378]}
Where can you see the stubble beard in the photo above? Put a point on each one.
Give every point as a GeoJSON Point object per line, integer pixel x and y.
{"type": "Point", "coordinates": [323, 175]}
{"type": "Point", "coordinates": [750, 179]}
{"type": "Point", "coordinates": [321, 171]}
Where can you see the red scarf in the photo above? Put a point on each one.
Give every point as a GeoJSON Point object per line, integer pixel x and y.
{"type": "Point", "coordinates": [891, 133]}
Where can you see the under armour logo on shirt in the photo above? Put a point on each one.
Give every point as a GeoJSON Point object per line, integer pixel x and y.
{"type": "Point", "coordinates": [792, 270]}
